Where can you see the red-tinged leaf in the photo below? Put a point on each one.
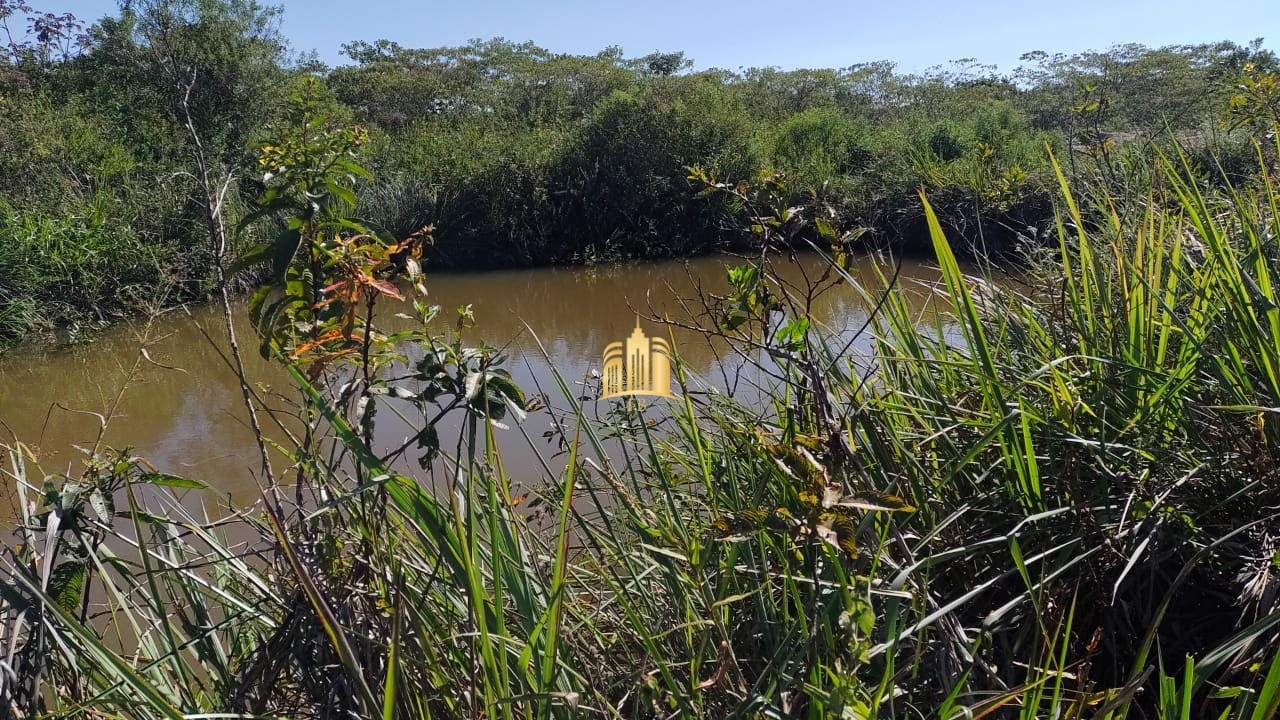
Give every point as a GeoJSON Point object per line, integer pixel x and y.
{"type": "Point", "coordinates": [387, 288]}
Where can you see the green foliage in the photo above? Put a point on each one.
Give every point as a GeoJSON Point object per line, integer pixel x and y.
{"type": "Point", "coordinates": [1044, 503]}
{"type": "Point", "coordinates": [624, 173]}
{"type": "Point", "coordinates": [522, 156]}
{"type": "Point", "coordinates": [1054, 503]}
{"type": "Point", "coordinates": [76, 274]}
{"type": "Point", "coordinates": [948, 141]}
{"type": "Point", "coordinates": [100, 218]}
{"type": "Point", "coordinates": [223, 56]}
{"type": "Point", "coordinates": [394, 87]}
{"type": "Point", "coordinates": [1176, 86]}
{"type": "Point", "coordinates": [1257, 100]}
{"type": "Point", "coordinates": [822, 136]}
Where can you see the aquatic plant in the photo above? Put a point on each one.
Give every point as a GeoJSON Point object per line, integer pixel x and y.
{"type": "Point", "coordinates": [1047, 502]}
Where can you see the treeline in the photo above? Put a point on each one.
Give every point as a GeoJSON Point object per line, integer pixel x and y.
{"type": "Point", "coordinates": [521, 156]}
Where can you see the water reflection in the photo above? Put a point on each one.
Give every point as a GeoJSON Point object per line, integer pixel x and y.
{"type": "Point", "coordinates": [182, 406]}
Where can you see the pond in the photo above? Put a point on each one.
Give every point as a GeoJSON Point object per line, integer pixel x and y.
{"type": "Point", "coordinates": [179, 406]}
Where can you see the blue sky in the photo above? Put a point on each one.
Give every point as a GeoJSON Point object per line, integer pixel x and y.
{"type": "Point", "coordinates": [743, 33]}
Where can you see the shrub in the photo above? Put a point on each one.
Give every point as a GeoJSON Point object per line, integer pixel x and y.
{"type": "Point", "coordinates": [949, 140]}
{"type": "Point", "coordinates": [75, 273]}
{"type": "Point", "coordinates": [624, 174]}
{"type": "Point", "coordinates": [824, 137]}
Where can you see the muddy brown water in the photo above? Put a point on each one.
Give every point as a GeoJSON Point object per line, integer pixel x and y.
{"type": "Point", "coordinates": [181, 408]}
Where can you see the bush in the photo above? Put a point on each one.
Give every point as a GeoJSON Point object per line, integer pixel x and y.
{"type": "Point", "coordinates": [823, 137]}
{"type": "Point", "coordinates": [76, 273]}
{"type": "Point", "coordinates": [484, 187]}
{"type": "Point", "coordinates": [949, 140]}
{"type": "Point", "coordinates": [623, 177]}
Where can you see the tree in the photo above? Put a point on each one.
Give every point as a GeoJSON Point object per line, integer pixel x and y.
{"type": "Point", "coordinates": [663, 64]}
{"type": "Point", "coordinates": [222, 59]}
{"type": "Point", "coordinates": [49, 37]}
{"type": "Point", "coordinates": [214, 56]}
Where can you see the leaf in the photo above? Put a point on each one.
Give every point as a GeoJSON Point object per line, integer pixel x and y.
{"type": "Point", "coordinates": [341, 193]}
{"type": "Point", "coordinates": [428, 441]}
{"type": "Point", "coordinates": [499, 382]}
{"type": "Point", "coordinates": [100, 505]}
{"type": "Point", "coordinates": [271, 205]}
{"type": "Point", "coordinates": [285, 247]}
{"type": "Point", "coordinates": [66, 585]}
{"type": "Point", "coordinates": [253, 256]}
{"type": "Point", "coordinates": [173, 481]}
{"type": "Point", "coordinates": [390, 687]}
{"type": "Point", "coordinates": [846, 533]}
{"type": "Point", "coordinates": [474, 384]}
{"type": "Point", "coordinates": [256, 302]}
{"type": "Point", "coordinates": [825, 229]}
{"type": "Point", "coordinates": [387, 288]}
{"type": "Point", "coordinates": [791, 336]}
{"type": "Point", "coordinates": [875, 501]}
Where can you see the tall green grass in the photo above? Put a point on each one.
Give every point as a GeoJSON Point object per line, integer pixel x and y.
{"type": "Point", "coordinates": [74, 274]}
{"type": "Point", "coordinates": [1057, 499]}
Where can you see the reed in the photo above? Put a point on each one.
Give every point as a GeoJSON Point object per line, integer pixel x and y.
{"type": "Point", "coordinates": [1053, 499]}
